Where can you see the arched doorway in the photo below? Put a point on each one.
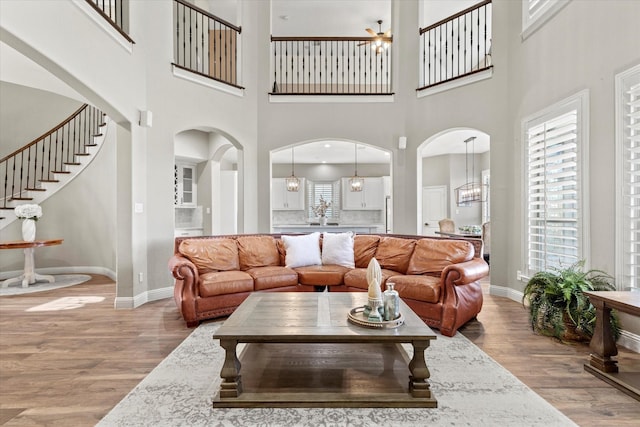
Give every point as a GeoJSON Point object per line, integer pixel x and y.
{"type": "Point", "coordinates": [446, 162]}
{"type": "Point", "coordinates": [324, 168]}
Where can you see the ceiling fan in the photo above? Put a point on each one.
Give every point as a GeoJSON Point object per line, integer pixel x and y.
{"type": "Point", "coordinates": [382, 39]}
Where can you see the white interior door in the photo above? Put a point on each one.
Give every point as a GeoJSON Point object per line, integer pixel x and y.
{"type": "Point", "coordinates": [434, 208]}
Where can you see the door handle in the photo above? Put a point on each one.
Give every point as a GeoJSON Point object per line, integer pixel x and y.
{"type": "Point", "coordinates": [426, 224]}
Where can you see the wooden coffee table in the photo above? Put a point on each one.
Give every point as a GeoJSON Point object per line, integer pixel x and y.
{"type": "Point", "coordinates": [299, 350]}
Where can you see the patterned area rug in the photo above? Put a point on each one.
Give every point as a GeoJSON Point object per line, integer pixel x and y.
{"type": "Point", "coordinates": [471, 389]}
{"type": "Point", "coordinates": [61, 281]}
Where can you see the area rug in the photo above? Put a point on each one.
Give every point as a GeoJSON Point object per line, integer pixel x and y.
{"type": "Point", "coordinates": [61, 281]}
{"type": "Point", "coordinates": [471, 388]}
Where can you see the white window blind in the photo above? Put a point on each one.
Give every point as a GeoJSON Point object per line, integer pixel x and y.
{"type": "Point", "coordinates": [330, 191]}
{"type": "Point", "coordinates": [536, 12]}
{"type": "Point", "coordinates": [628, 157]}
{"type": "Point", "coordinates": [554, 214]}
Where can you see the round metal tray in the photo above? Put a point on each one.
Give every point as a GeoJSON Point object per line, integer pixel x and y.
{"type": "Point", "coordinates": [356, 316]}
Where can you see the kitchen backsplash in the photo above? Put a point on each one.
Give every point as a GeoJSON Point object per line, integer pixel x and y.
{"type": "Point", "coordinates": [346, 217]}
{"type": "Point", "coordinates": [188, 217]}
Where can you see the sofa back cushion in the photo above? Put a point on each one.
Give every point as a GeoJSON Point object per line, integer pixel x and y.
{"type": "Point", "coordinates": [337, 248]}
{"type": "Point", "coordinates": [393, 253]}
{"type": "Point", "coordinates": [364, 248]}
{"type": "Point", "coordinates": [219, 254]}
{"type": "Point", "coordinates": [431, 256]}
{"type": "Point", "coordinates": [302, 250]}
{"type": "Point", "coordinates": [257, 251]}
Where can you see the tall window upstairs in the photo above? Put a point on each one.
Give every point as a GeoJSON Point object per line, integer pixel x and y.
{"type": "Point", "coordinates": [206, 47]}
{"type": "Point", "coordinates": [536, 12]}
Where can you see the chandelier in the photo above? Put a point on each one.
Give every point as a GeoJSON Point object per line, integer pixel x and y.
{"type": "Point", "coordinates": [356, 183]}
{"type": "Point", "coordinates": [471, 191]}
{"type": "Point", "coordinates": [293, 183]}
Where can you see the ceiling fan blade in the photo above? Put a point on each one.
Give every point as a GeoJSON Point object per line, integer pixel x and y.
{"type": "Point", "coordinates": [370, 31]}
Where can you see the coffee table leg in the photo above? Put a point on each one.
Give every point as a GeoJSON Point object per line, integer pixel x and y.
{"type": "Point", "coordinates": [418, 384]}
{"type": "Point", "coordinates": [231, 385]}
{"type": "Point", "coordinates": [602, 343]}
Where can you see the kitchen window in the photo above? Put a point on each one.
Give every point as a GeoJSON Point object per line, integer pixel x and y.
{"type": "Point", "coordinates": [330, 191]}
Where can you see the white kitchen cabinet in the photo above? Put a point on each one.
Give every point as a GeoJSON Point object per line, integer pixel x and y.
{"type": "Point", "coordinates": [185, 185]}
{"type": "Point", "coordinates": [283, 200]}
{"type": "Point", "coordinates": [371, 198]}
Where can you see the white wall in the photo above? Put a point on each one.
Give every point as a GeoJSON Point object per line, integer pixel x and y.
{"type": "Point", "coordinates": [582, 47]}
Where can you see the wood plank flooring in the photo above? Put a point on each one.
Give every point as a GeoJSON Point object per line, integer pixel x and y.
{"type": "Point", "coordinates": [70, 367]}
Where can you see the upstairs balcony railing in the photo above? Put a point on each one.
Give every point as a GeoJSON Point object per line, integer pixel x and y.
{"type": "Point", "coordinates": [205, 44]}
{"type": "Point", "coordinates": [331, 65]}
{"type": "Point", "coordinates": [41, 160]}
{"type": "Point", "coordinates": [457, 46]}
{"type": "Point", "coordinates": [114, 12]}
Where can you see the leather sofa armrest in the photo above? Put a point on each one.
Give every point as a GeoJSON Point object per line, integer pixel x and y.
{"type": "Point", "coordinates": [465, 272]}
{"type": "Point", "coordinates": [185, 291]}
{"type": "Point", "coordinates": [183, 269]}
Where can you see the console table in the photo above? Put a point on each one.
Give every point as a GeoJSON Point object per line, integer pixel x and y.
{"type": "Point", "coordinates": [29, 276]}
{"type": "Point", "coordinates": [604, 346]}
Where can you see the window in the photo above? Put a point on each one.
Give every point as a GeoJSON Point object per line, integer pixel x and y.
{"type": "Point", "coordinates": [330, 191]}
{"type": "Point", "coordinates": [556, 145]}
{"type": "Point", "coordinates": [536, 12]}
{"type": "Point", "coordinates": [628, 179]}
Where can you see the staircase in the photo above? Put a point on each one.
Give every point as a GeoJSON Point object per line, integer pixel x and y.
{"type": "Point", "coordinates": [38, 170]}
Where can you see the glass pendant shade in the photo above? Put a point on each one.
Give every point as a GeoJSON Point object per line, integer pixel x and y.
{"type": "Point", "coordinates": [356, 183]}
{"type": "Point", "coordinates": [293, 183]}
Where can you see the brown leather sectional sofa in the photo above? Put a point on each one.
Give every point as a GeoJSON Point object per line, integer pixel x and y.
{"type": "Point", "coordinates": [437, 277]}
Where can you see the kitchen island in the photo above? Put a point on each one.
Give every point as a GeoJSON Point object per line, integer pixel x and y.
{"type": "Point", "coordinates": [308, 228]}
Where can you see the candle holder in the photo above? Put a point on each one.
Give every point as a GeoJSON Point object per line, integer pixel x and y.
{"type": "Point", "coordinates": [376, 306]}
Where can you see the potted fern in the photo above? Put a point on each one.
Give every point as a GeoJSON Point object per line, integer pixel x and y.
{"type": "Point", "coordinates": [558, 306]}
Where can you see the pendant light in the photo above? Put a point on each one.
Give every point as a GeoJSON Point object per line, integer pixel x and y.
{"type": "Point", "coordinates": [356, 183]}
{"type": "Point", "coordinates": [293, 183]}
{"type": "Point", "coordinates": [471, 191]}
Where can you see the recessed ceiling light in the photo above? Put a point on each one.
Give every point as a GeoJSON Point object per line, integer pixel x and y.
{"type": "Point", "coordinates": [324, 161]}
{"type": "Point", "coordinates": [386, 153]}
{"type": "Point", "coordinates": [327, 145]}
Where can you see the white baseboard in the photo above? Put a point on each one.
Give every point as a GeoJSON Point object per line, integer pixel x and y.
{"type": "Point", "coordinates": [64, 270]}
{"type": "Point", "coordinates": [145, 297]}
{"type": "Point", "coordinates": [627, 339]}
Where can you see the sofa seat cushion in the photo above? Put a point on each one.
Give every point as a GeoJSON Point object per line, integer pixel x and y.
{"type": "Point", "coordinates": [357, 278]}
{"type": "Point", "coordinates": [224, 282]}
{"type": "Point", "coordinates": [271, 277]}
{"type": "Point", "coordinates": [257, 251]}
{"type": "Point", "coordinates": [394, 253]}
{"type": "Point", "coordinates": [419, 288]}
{"type": "Point", "coordinates": [431, 256]}
{"type": "Point", "coordinates": [211, 254]}
{"type": "Point", "coordinates": [321, 275]}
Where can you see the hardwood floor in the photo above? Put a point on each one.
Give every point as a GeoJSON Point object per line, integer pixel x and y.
{"type": "Point", "coordinates": [70, 367]}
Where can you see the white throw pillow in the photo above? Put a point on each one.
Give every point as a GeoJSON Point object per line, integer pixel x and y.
{"type": "Point", "coordinates": [302, 250]}
{"type": "Point", "coordinates": [337, 248]}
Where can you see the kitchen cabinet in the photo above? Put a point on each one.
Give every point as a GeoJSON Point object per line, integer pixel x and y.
{"type": "Point", "coordinates": [185, 185]}
{"type": "Point", "coordinates": [283, 200]}
{"type": "Point", "coordinates": [371, 198]}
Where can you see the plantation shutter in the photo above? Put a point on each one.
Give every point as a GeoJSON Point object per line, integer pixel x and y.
{"type": "Point", "coordinates": [630, 116]}
{"type": "Point", "coordinates": [553, 184]}
{"type": "Point", "coordinates": [329, 192]}
{"type": "Point", "coordinates": [536, 12]}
